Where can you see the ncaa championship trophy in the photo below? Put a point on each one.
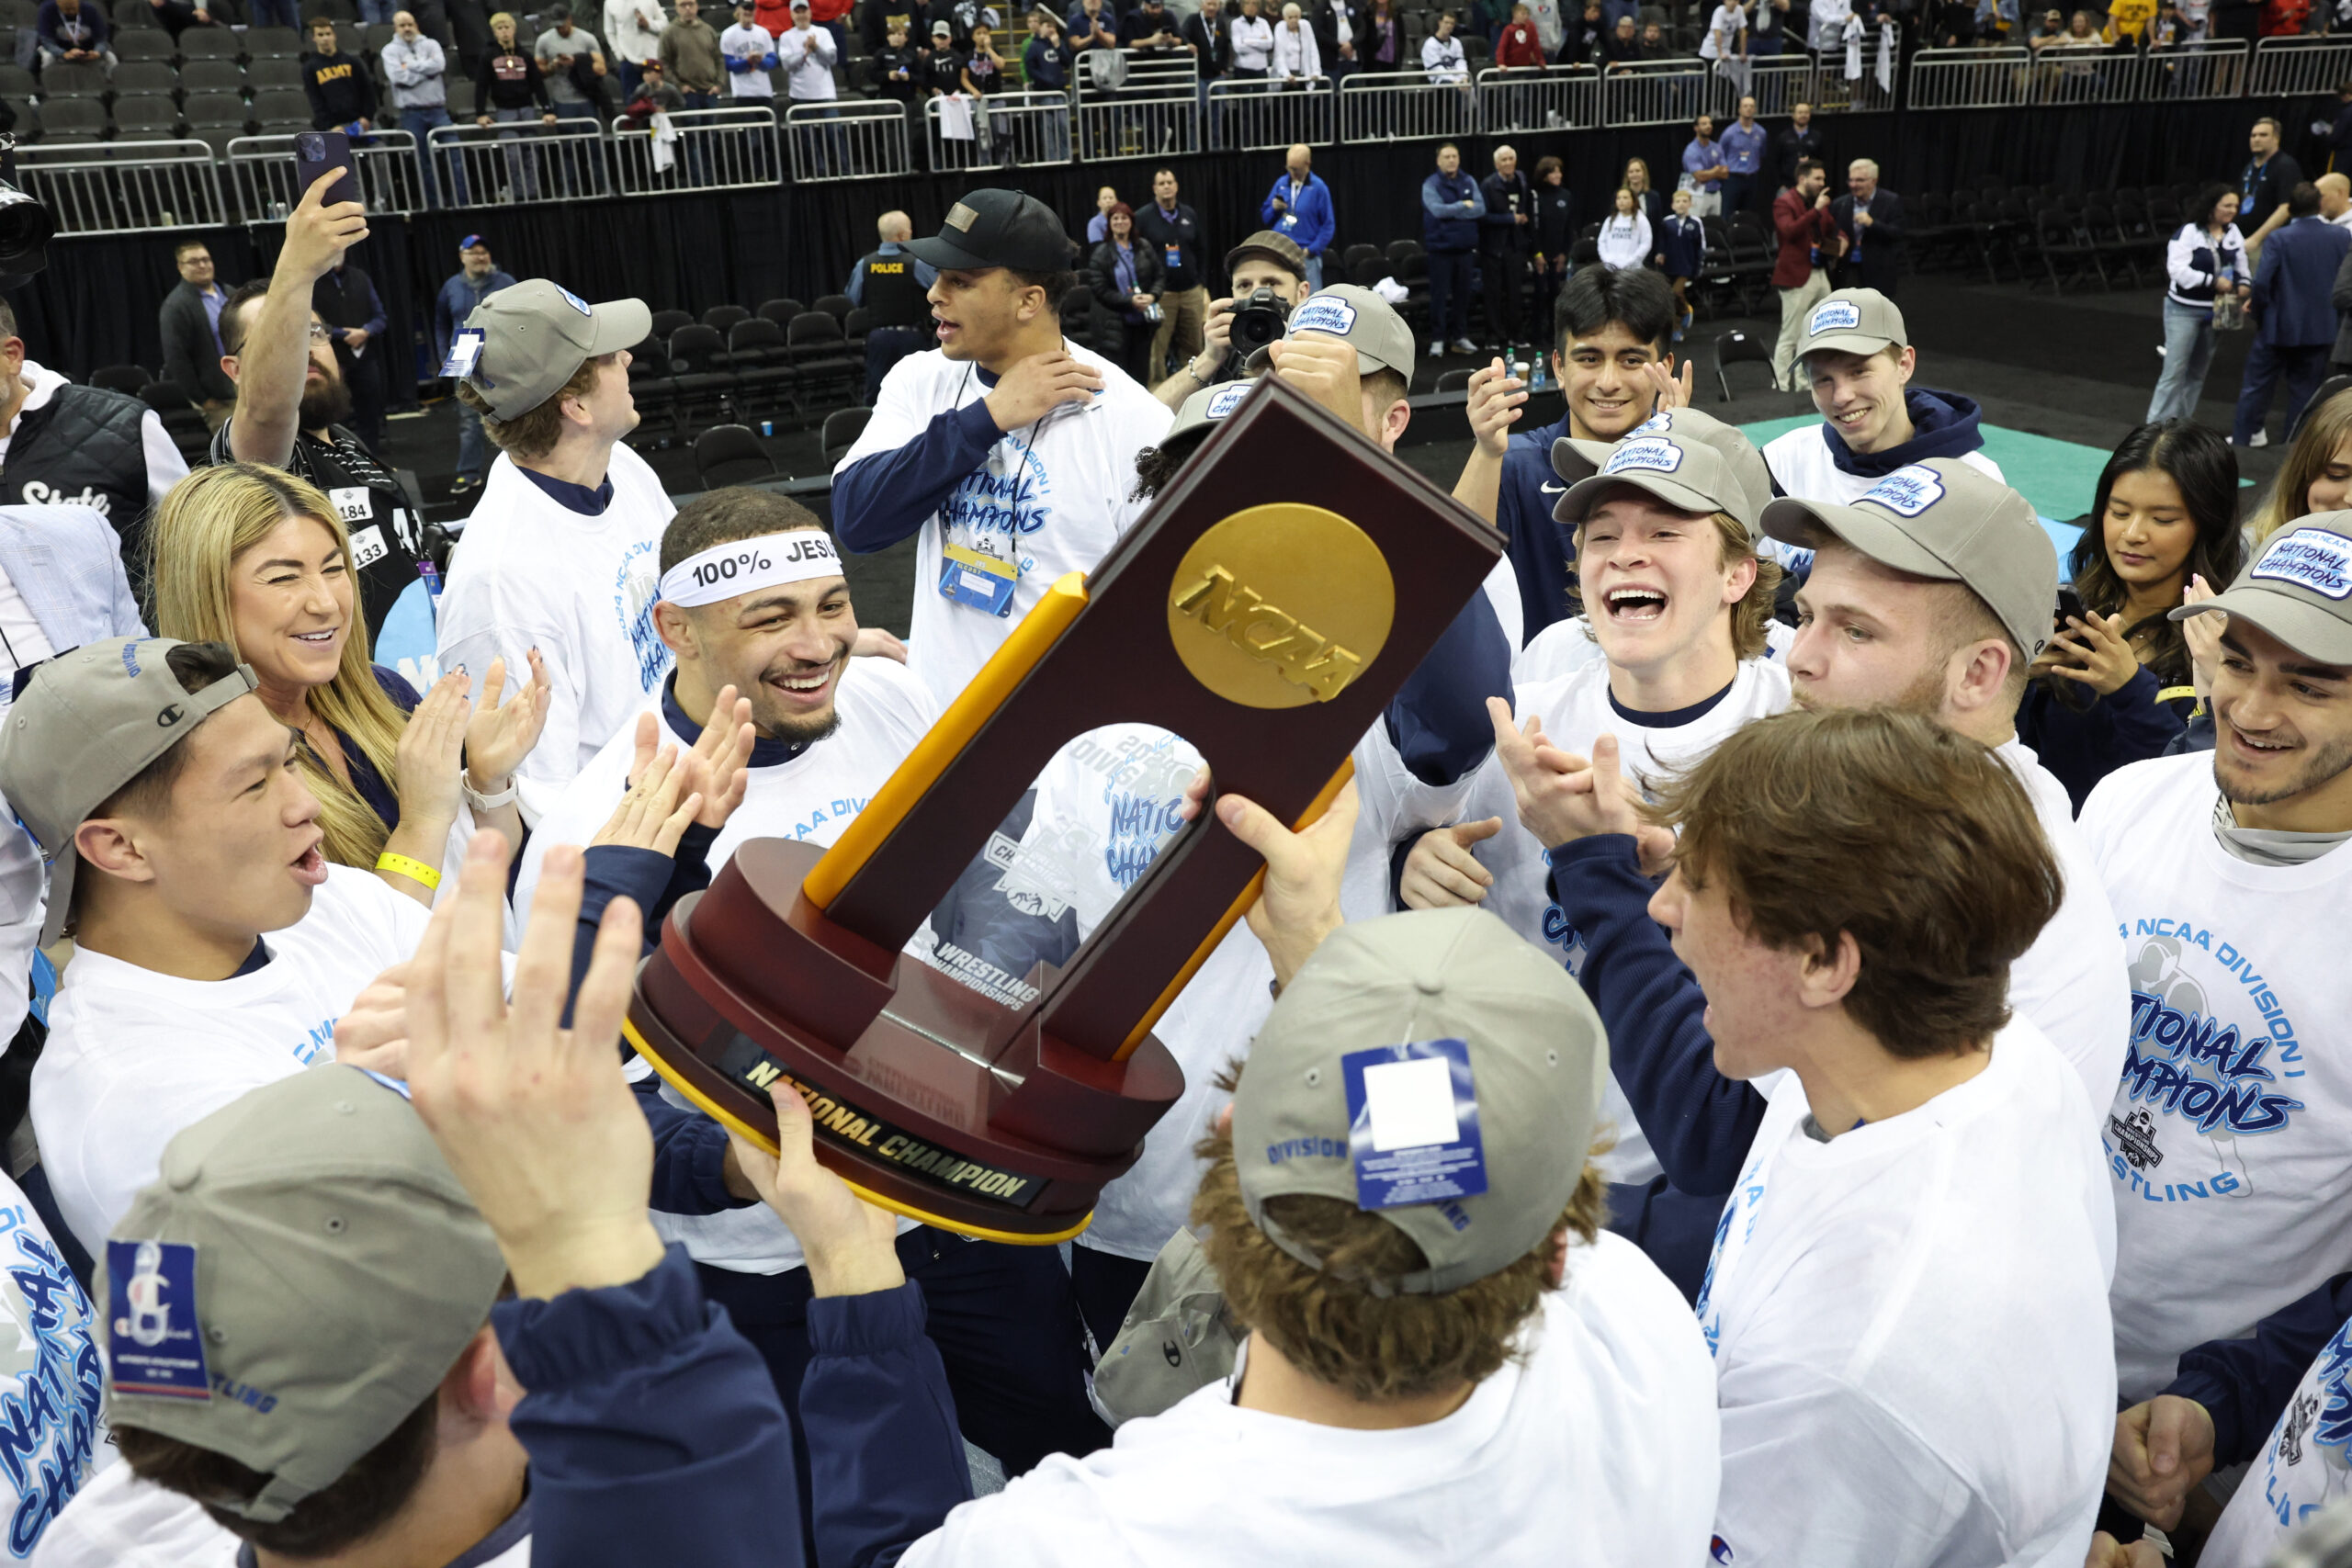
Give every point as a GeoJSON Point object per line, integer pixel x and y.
{"type": "Point", "coordinates": [1265, 608]}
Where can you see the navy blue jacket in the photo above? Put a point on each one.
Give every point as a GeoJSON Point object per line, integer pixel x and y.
{"type": "Point", "coordinates": [2081, 746]}
{"type": "Point", "coordinates": [2245, 1383]}
{"type": "Point", "coordinates": [2294, 287]}
{"type": "Point", "coordinates": [1445, 227]}
{"type": "Point", "coordinates": [1538, 546]}
{"type": "Point", "coordinates": [1944, 424]}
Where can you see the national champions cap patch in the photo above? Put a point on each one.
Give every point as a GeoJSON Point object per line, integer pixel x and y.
{"type": "Point", "coordinates": [2313, 559]}
{"type": "Point", "coordinates": [1224, 400]}
{"type": "Point", "coordinates": [1836, 315]}
{"type": "Point", "coordinates": [1907, 492]}
{"type": "Point", "coordinates": [574, 300]}
{"type": "Point", "coordinates": [1658, 423]}
{"type": "Point", "coordinates": [1655, 456]}
{"type": "Point", "coordinates": [1336, 317]}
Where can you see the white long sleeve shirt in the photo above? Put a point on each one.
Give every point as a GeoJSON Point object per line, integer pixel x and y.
{"type": "Point", "coordinates": [808, 54]}
{"type": "Point", "coordinates": [634, 28]}
{"type": "Point", "coordinates": [1253, 43]}
{"type": "Point", "coordinates": [1624, 240]}
{"type": "Point", "coordinates": [1295, 55]}
{"type": "Point", "coordinates": [1442, 58]}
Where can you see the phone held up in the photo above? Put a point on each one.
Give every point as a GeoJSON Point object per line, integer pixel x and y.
{"type": "Point", "coordinates": [316, 152]}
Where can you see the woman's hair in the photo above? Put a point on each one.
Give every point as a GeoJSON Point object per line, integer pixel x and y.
{"type": "Point", "coordinates": [2328, 428]}
{"type": "Point", "coordinates": [1546, 167]}
{"type": "Point", "coordinates": [2202, 466]}
{"type": "Point", "coordinates": [209, 520]}
{"type": "Point", "coordinates": [1625, 194]}
{"type": "Point", "coordinates": [2200, 211]}
{"type": "Point", "coordinates": [1119, 209]}
{"type": "Point", "coordinates": [1633, 164]}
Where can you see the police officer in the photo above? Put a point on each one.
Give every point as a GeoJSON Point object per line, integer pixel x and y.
{"type": "Point", "coordinates": [890, 285]}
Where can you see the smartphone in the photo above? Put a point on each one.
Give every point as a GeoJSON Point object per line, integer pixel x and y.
{"type": "Point", "coordinates": [316, 152]}
{"type": "Point", "coordinates": [2070, 603]}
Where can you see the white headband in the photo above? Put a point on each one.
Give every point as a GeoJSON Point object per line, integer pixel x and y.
{"type": "Point", "coordinates": [743, 566]}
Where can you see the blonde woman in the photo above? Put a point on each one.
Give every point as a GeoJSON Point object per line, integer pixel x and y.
{"type": "Point", "coordinates": [257, 558]}
{"type": "Point", "coordinates": [1647, 198]}
{"type": "Point", "coordinates": [2317, 474]}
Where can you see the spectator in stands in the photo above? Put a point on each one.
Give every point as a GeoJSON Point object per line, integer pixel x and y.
{"type": "Point", "coordinates": [1098, 228]}
{"type": "Point", "coordinates": [897, 71]}
{"type": "Point", "coordinates": [1743, 144]}
{"type": "Point", "coordinates": [1624, 240]}
{"type": "Point", "coordinates": [750, 52]}
{"type": "Point", "coordinates": [344, 297]}
{"type": "Point", "coordinates": [1799, 142]}
{"type": "Point", "coordinates": [476, 279]}
{"type": "Point", "coordinates": [1809, 243]}
{"type": "Point", "coordinates": [1724, 43]}
{"type": "Point", "coordinates": [1253, 43]}
{"type": "Point", "coordinates": [1646, 196]}
{"type": "Point", "coordinates": [1622, 46]}
{"type": "Point", "coordinates": [572, 65]}
{"type": "Point", "coordinates": [74, 30]}
{"type": "Point", "coordinates": [1382, 48]}
{"type": "Point", "coordinates": [1149, 28]}
{"type": "Point", "coordinates": [2269, 175]}
{"type": "Point", "coordinates": [2294, 314]}
{"type": "Point", "coordinates": [832, 16]}
{"type": "Point", "coordinates": [943, 63]}
{"type": "Point", "coordinates": [1654, 43]}
{"type": "Point", "coordinates": [1266, 261]}
{"type": "Point", "coordinates": [1681, 256]}
{"type": "Point", "coordinates": [1340, 31]}
{"type": "Point", "coordinates": [1090, 28]}
{"type": "Point", "coordinates": [1870, 220]}
{"type": "Point", "coordinates": [468, 31]}
{"type": "Point", "coordinates": [511, 90]}
{"type": "Point", "coordinates": [255, 559]}
{"type": "Point", "coordinates": [932, 460]}
{"type": "Point", "coordinates": [1587, 37]}
{"type": "Point", "coordinates": [1174, 229]}
{"type": "Point", "coordinates": [1703, 160]}
{"type": "Point", "coordinates": [340, 88]}
{"type": "Point", "coordinates": [1506, 239]}
{"type": "Point", "coordinates": [634, 28]}
{"type": "Point", "coordinates": [2116, 682]}
{"type": "Point", "coordinates": [690, 56]}
{"type": "Point", "coordinates": [1124, 277]}
{"type": "Point", "coordinates": [654, 96]}
{"type": "Point", "coordinates": [177, 16]}
{"type": "Point", "coordinates": [1298, 207]}
{"type": "Point", "coordinates": [1451, 207]}
{"type": "Point", "coordinates": [189, 322]}
{"type": "Point", "coordinates": [1516, 46]}
{"type": "Point", "coordinates": [1045, 61]}
{"type": "Point", "coordinates": [808, 53]}
{"type": "Point", "coordinates": [1205, 33]}
{"type": "Point", "coordinates": [1768, 25]}
{"type": "Point", "coordinates": [1298, 57]}
{"type": "Point", "coordinates": [414, 66]}
{"type": "Point", "coordinates": [1442, 55]}
{"type": "Point", "coordinates": [891, 284]}
{"type": "Point", "coordinates": [2204, 262]}
{"type": "Point", "coordinates": [570, 569]}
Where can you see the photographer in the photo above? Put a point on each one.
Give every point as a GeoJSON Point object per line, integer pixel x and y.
{"type": "Point", "coordinates": [1266, 265]}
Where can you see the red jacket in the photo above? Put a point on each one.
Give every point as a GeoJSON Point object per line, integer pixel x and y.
{"type": "Point", "coordinates": [1518, 45]}
{"type": "Point", "coordinates": [1802, 227]}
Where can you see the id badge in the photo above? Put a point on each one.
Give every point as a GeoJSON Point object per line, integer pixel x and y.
{"type": "Point", "coordinates": [1175, 255]}
{"type": "Point", "coordinates": [1413, 1123]}
{"type": "Point", "coordinates": [977, 582]}
{"type": "Point", "coordinates": [465, 351]}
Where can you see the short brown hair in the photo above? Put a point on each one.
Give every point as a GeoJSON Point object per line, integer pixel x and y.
{"type": "Point", "coordinates": [1752, 616]}
{"type": "Point", "coordinates": [532, 435]}
{"type": "Point", "coordinates": [1886, 827]}
{"type": "Point", "coordinates": [234, 326]}
{"type": "Point", "coordinates": [180, 250]}
{"type": "Point", "coordinates": [1333, 1326]}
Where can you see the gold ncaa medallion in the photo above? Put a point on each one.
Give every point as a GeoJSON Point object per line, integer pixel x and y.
{"type": "Point", "coordinates": [1280, 605]}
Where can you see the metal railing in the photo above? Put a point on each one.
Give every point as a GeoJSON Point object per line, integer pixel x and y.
{"type": "Point", "coordinates": [854, 139]}
{"type": "Point", "coordinates": [1780, 82]}
{"type": "Point", "coordinates": [2060, 74]}
{"type": "Point", "coordinates": [2290, 67]}
{"type": "Point", "coordinates": [1663, 91]}
{"type": "Point", "coordinates": [1968, 78]}
{"type": "Point", "coordinates": [1009, 131]}
{"type": "Point", "coordinates": [1136, 103]}
{"type": "Point", "coordinates": [262, 172]}
{"type": "Point", "coordinates": [724, 149]}
{"type": "Point", "coordinates": [1262, 117]}
{"type": "Point", "coordinates": [1405, 106]}
{"type": "Point", "coordinates": [124, 188]}
{"type": "Point", "coordinates": [1553, 97]}
{"type": "Point", "coordinates": [522, 162]}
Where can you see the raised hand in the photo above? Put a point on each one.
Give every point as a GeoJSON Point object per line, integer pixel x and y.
{"type": "Point", "coordinates": [1440, 871]}
{"type": "Point", "coordinates": [1298, 904]}
{"type": "Point", "coordinates": [500, 735]}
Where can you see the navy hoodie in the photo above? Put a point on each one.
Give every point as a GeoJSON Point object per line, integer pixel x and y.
{"type": "Point", "coordinates": [1945, 424]}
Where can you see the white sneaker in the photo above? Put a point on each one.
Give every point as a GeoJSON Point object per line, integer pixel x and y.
{"type": "Point", "coordinates": [2261, 438]}
{"type": "Point", "coordinates": [1437, 349]}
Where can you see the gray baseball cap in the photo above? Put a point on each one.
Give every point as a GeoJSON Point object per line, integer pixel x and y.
{"type": "Point", "coordinates": [87, 723]}
{"type": "Point", "coordinates": [1210, 405]}
{"type": "Point", "coordinates": [1361, 317]}
{"type": "Point", "coordinates": [1944, 519]}
{"type": "Point", "coordinates": [1740, 485]}
{"type": "Point", "coordinates": [339, 1270]}
{"type": "Point", "coordinates": [536, 334]}
{"type": "Point", "coordinates": [1853, 321]}
{"type": "Point", "coordinates": [1410, 992]}
{"type": "Point", "coordinates": [2299, 589]}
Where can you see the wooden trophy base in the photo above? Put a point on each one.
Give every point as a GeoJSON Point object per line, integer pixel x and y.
{"type": "Point", "coordinates": [947, 1107]}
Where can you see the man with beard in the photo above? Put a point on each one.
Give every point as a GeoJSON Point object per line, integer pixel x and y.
{"type": "Point", "coordinates": [752, 597]}
{"type": "Point", "coordinates": [292, 401]}
{"type": "Point", "coordinates": [1932, 593]}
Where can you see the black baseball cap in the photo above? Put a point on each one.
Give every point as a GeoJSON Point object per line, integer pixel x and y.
{"type": "Point", "coordinates": [997, 228]}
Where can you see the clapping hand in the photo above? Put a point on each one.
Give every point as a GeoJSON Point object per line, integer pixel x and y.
{"type": "Point", "coordinates": [2203, 636]}
{"type": "Point", "coordinates": [500, 735]}
{"type": "Point", "coordinates": [428, 759]}
{"type": "Point", "coordinates": [1495, 400]}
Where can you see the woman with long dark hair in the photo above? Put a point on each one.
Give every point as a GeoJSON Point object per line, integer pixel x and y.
{"type": "Point", "coordinates": [2204, 264]}
{"type": "Point", "coordinates": [1126, 279]}
{"type": "Point", "coordinates": [2116, 682]}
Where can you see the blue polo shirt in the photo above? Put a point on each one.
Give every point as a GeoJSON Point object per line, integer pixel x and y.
{"type": "Point", "coordinates": [1743, 150]}
{"type": "Point", "coordinates": [1701, 155]}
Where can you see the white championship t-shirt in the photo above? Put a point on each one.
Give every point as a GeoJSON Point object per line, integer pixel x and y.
{"type": "Point", "coordinates": [884, 711]}
{"type": "Point", "coordinates": [529, 572]}
{"type": "Point", "coordinates": [2305, 1465]}
{"type": "Point", "coordinates": [1051, 498]}
{"type": "Point", "coordinates": [1911, 1333]}
{"type": "Point", "coordinates": [50, 1386]}
{"type": "Point", "coordinates": [2071, 982]}
{"type": "Point", "coordinates": [1803, 468]}
{"type": "Point", "coordinates": [2225, 1141]}
{"type": "Point", "coordinates": [134, 1056]}
{"type": "Point", "coordinates": [1599, 1446]}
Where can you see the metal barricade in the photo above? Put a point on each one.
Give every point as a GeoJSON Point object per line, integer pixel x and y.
{"type": "Point", "coordinates": [1009, 131]}
{"type": "Point", "coordinates": [1405, 106]}
{"type": "Point", "coordinates": [854, 139]}
{"type": "Point", "coordinates": [1263, 116]}
{"type": "Point", "coordinates": [2212, 68]}
{"type": "Point", "coordinates": [1138, 104]}
{"type": "Point", "coordinates": [1970, 78]}
{"type": "Point", "coordinates": [262, 172]}
{"type": "Point", "coordinates": [518, 163]}
{"type": "Point", "coordinates": [2297, 67]}
{"type": "Point", "coordinates": [1554, 97]}
{"type": "Point", "coordinates": [723, 149]}
{"type": "Point", "coordinates": [1664, 92]}
{"type": "Point", "coordinates": [124, 188]}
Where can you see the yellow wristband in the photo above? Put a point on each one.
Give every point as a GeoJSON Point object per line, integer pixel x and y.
{"type": "Point", "coordinates": [414, 870]}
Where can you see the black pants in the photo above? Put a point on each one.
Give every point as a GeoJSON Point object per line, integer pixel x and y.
{"type": "Point", "coordinates": [1449, 295]}
{"type": "Point", "coordinates": [1502, 276]}
{"type": "Point", "coordinates": [1135, 350]}
{"type": "Point", "coordinates": [1105, 1284]}
{"type": "Point", "coordinates": [1739, 194]}
{"type": "Point", "coordinates": [1006, 1327]}
{"type": "Point", "coordinates": [884, 346]}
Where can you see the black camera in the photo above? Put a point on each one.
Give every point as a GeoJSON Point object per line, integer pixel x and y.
{"type": "Point", "coordinates": [1259, 320]}
{"type": "Point", "coordinates": [26, 226]}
